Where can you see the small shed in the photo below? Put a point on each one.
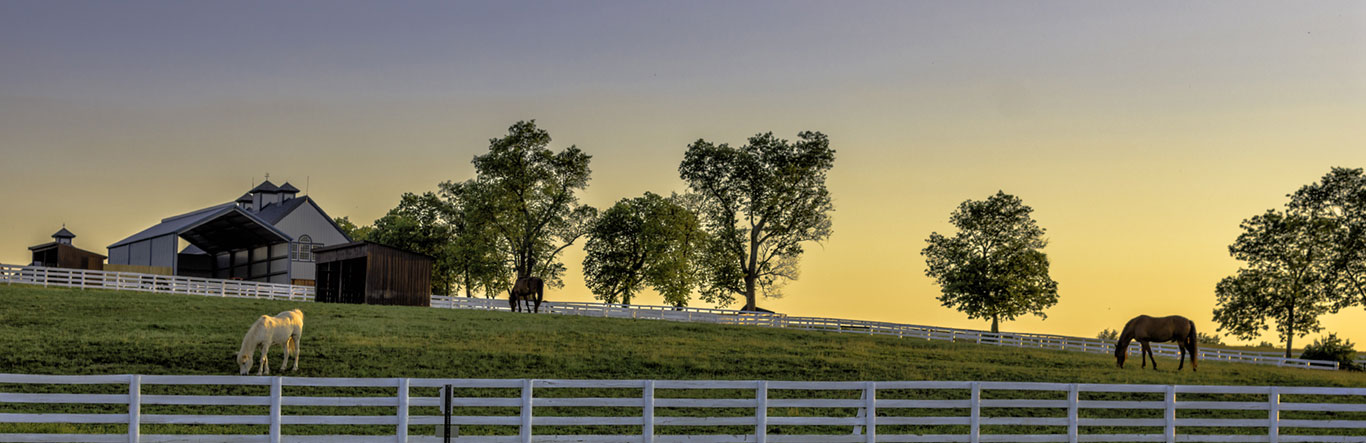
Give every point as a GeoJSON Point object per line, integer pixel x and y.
{"type": "Point", "coordinates": [373, 274]}
{"type": "Point", "coordinates": [60, 253]}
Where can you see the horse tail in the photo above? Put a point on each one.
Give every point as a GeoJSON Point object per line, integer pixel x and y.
{"type": "Point", "coordinates": [540, 290]}
{"type": "Point", "coordinates": [1192, 340]}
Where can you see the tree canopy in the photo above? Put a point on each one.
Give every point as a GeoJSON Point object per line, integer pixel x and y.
{"type": "Point", "coordinates": [643, 241]}
{"type": "Point", "coordinates": [759, 202]}
{"type": "Point", "coordinates": [1300, 262]}
{"type": "Point", "coordinates": [529, 195]}
{"type": "Point", "coordinates": [994, 267]}
{"type": "Point", "coordinates": [418, 224]}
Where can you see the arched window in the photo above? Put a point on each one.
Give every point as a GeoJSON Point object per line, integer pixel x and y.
{"type": "Point", "coordinates": [303, 248]}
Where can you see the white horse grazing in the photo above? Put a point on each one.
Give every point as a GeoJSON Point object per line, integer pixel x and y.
{"type": "Point", "coordinates": [285, 328]}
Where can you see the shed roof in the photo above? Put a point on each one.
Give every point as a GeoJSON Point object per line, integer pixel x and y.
{"type": "Point", "coordinates": [63, 234]}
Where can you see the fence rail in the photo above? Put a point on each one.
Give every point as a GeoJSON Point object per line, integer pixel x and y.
{"type": "Point", "coordinates": [524, 410]}
{"type": "Point", "coordinates": [169, 284]}
{"type": "Point", "coordinates": [76, 278]}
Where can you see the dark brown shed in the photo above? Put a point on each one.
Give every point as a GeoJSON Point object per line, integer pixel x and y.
{"type": "Point", "coordinates": [373, 274]}
{"type": "Point", "coordinates": [60, 253]}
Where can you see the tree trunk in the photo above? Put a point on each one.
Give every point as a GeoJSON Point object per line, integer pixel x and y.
{"type": "Point", "coordinates": [1290, 330]}
{"type": "Point", "coordinates": [995, 322]}
{"type": "Point", "coordinates": [749, 294]}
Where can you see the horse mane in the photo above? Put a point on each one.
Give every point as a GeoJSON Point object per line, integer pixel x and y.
{"type": "Point", "coordinates": [253, 336]}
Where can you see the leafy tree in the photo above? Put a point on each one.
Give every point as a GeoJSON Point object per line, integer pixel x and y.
{"type": "Point", "coordinates": [759, 203]}
{"type": "Point", "coordinates": [418, 225]}
{"type": "Point", "coordinates": [1208, 339]}
{"type": "Point", "coordinates": [1332, 348]}
{"type": "Point", "coordinates": [528, 194]}
{"type": "Point", "coordinates": [1339, 199]}
{"type": "Point", "coordinates": [1108, 334]}
{"type": "Point", "coordinates": [1288, 277]}
{"type": "Point", "coordinates": [648, 240]}
{"type": "Point", "coordinates": [995, 267]}
{"type": "Point", "coordinates": [476, 260]}
{"type": "Point", "coordinates": [356, 233]}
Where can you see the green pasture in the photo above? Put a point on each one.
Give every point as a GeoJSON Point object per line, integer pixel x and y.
{"type": "Point", "coordinates": [71, 331]}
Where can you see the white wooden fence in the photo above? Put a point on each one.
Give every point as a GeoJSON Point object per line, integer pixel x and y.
{"type": "Point", "coordinates": [132, 281]}
{"type": "Point", "coordinates": [292, 409]}
{"type": "Point", "coordinates": [128, 281]}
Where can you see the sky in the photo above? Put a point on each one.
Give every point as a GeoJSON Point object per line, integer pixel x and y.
{"type": "Point", "coordinates": [1140, 133]}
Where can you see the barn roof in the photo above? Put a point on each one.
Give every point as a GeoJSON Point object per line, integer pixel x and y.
{"type": "Point", "coordinates": [266, 186]}
{"type": "Point", "coordinates": [288, 188]}
{"type": "Point", "coordinates": [214, 229]}
{"type": "Point", "coordinates": [63, 234]}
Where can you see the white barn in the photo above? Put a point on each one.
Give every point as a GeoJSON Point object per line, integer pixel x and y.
{"type": "Point", "coordinates": [267, 235]}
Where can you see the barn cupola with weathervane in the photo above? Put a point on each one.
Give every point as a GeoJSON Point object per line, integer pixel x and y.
{"type": "Point", "coordinates": [63, 236]}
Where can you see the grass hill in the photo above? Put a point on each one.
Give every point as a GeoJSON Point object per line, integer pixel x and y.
{"type": "Point", "coordinates": [69, 331]}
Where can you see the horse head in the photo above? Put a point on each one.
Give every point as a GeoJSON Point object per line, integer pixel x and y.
{"type": "Point", "coordinates": [1121, 351]}
{"type": "Point", "coordinates": [243, 363]}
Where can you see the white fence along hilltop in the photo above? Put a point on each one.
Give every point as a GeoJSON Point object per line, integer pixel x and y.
{"type": "Point", "coordinates": [159, 408]}
{"type": "Point", "coordinates": [126, 281]}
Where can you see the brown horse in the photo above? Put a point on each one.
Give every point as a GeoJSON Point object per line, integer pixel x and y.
{"type": "Point", "coordinates": [1151, 329]}
{"type": "Point", "coordinates": [523, 290]}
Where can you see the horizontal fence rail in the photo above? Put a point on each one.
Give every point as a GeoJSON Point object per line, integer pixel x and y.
{"type": "Point", "coordinates": [127, 281]}
{"type": "Point", "coordinates": [159, 408]}
{"type": "Point", "coordinates": [169, 284]}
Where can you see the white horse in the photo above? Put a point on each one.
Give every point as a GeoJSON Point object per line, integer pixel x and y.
{"type": "Point", "coordinates": [285, 328]}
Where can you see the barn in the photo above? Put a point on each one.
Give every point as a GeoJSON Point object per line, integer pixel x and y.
{"type": "Point", "coordinates": [373, 274]}
{"type": "Point", "coordinates": [268, 235]}
{"type": "Point", "coordinates": [61, 253]}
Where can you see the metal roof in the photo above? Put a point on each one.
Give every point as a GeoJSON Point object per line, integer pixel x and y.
{"type": "Point", "coordinates": [288, 188]}
{"type": "Point", "coordinates": [245, 198]}
{"type": "Point", "coordinates": [214, 229]}
{"type": "Point", "coordinates": [266, 186]}
{"type": "Point", "coordinates": [63, 234]}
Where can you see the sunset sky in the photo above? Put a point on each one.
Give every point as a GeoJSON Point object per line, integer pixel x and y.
{"type": "Point", "coordinates": [1141, 133]}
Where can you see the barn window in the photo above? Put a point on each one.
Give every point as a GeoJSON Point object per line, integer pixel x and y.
{"type": "Point", "coordinates": [303, 249]}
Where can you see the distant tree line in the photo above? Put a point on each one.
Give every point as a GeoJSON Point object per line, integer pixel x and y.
{"type": "Point", "coordinates": [737, 233]}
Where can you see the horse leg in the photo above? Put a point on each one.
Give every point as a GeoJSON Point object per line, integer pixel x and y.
{"type": "Point", "coordinates": [1182, 360]}
{"type": "Point", "coordinates": [265, 363]}
{"type": "Point", "coordinates": [1146, 353]}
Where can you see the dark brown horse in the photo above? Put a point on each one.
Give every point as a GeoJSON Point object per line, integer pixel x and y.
{"type": "Point", "coordinates": [524, 290]}
{"type": "Point", "coordinates": [1153, 329]}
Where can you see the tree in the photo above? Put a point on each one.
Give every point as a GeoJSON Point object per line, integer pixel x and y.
{"type": "Point", "coordinates": [1289, 277]}
{"type": "Point", "coordinates": [759, 203]}
{"type": "Point", "coordinates": [1340, 200]}
{"type": "Point", "coordinates": [355, 233]}
{"type": "Point", "coordinates": [476, 259]}
{"type": "Point", "coordinates": [418, 224]}
{"type": "Point", "coordinates": [529, 195]}
{"type": "Point", "coordinates": [1108, 334]}
{"type": "Point", "coordinates": [994, 268]}
{"type": "Point", "coordinates": [648, 240]}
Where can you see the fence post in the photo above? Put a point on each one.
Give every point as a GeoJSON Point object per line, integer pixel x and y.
{"type": "Point", "coordinates": [761, 412]}
{"type": "Point", "coordinates": [870, 418]}
{"type": "Point", "coordinates": [134, 408]}
{"type": "Point", "coordinates": [1170, 415]}
{"type": "Point", "coordinates": [974, 420]}
{"type": "Point", "coordinates": [1072, 404]}
{"type": "Point", "coordinates": [526, 411]}
{"type": "Point", "coordinates": [45, 277]}
{"type": "Point", "coordinates": [1273, 429]}
{"type": "Point", "coordinates": [648, 431]}
{"type": "Point", "coordinates": [402, 410]}
{"type": "Point", "coordinates": [275, 394]}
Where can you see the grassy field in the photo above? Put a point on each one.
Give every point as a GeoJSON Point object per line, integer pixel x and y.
{"type": "Point", "coordinates": [65, 331]}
